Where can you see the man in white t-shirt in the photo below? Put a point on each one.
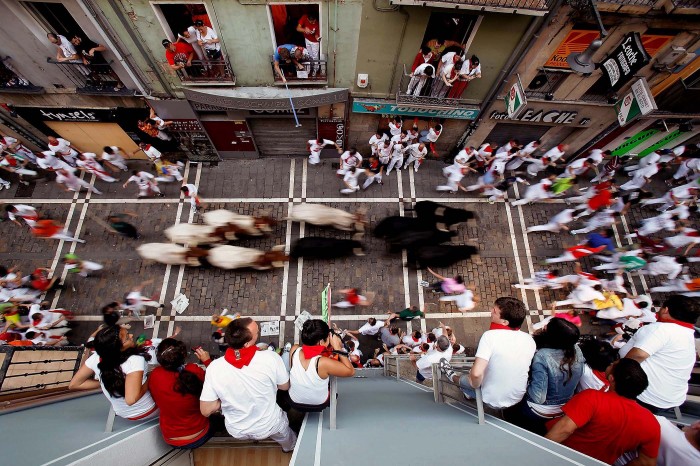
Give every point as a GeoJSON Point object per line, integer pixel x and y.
{"type": "Point", "coordinates": [666, 351]}
{"type": "Point", "coordinates": [65, 51]}
{"type": "Point", "coordinates": [503, 358]}
{"type": "Point", "coordinates": [416, 154]}
{"type": "Point", "coordinates": [151, 152]}
{"type": "Point", "coordinates": [316, 146]}
{"type": "Point", "coordinates": [371, 327]}
{"type": "Point", "coordinates": [442, 351]}
{"type": "Point", "coordinates": [243, 385]}
{"type": "Point", "coordinates": [419, 77]}
{"type": "Point", "coordinates": [22, 211]}
{"type": "Point", "coordinates": [376, 140]}
{"type": "Point", "coordinates": [62, 148]}
{"type": "Point", "coordinates": [349, 158]}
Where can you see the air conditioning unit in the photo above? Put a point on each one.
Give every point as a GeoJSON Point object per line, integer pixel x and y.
{"type": "Point", "coordinates": [670, 57]}
{"type": "Point", "coordinates": [538, 81]}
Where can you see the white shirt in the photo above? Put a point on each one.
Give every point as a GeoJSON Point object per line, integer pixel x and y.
{"type": "Point", "coordinates": [209, 34]}
{"type": "Point", "coordinates": [417, 153]}
{"type": "Point", "coordinates": [351, 178]}
{"type": "Point", "coordinates": [409, 341]}
{"type": "Point", "coordinates": [375, 142]}
{"type": "Point", "coordinates": [665, 265]}
{"type": "Point", "coordinates": [596, 155]}
{"type": "Point", "coordinates": [397, 150]}
{"type": "Point", "coordinates": [554, 154]}
{"type": "Point", "coordinates": [563, 217]}
{"type": "Point", "coordinates": [133, 364]}
{"type": "Point", "coordinates": [589, 380]}
{"type": "Point", "coordinates": [420, 69]}
{"type": "Point", "coordinates": [305, 385]}
{"type": "Point", "coordinates": [395, 129]}
{"type": "Point", "coordinates": [152, 153]}
{"type": "Point", "coordinates": [113, 157]}
{"type": "Point", "coordinates": [368, 329]}
{"type": "Point", "coordinates": [384, 152]}
{"type": "Point", "coordinates": [23, 211]}
{"type": "Point", "coordinates": [351, 160]}
{"type": "Point", "coordinates": [67, 48]}
{"type": "Point", "coordinates": [63, 147]}
{"type": "Point", "coordinates": [463, 156]}
{"type": "Point", "coordinates": [529, 149]}
{"type": "Point", "coordinates": [675, 449]}
{"type": "Point", "coordinates": [465, 71]}
{"type": "Point", "coordinates": [509, 354]}
{"type": "Point", "coordinates": [671, 350]}
{"type": "Point", "coordinates": [316, 148]}
{"type": "Point", "coordinates": [425, 364]}
{"type": "Point", "coordinates": [248, 394]}
{"type": "Point", "coordinates": [142, 179]}
{"type": "Point", "coordinates": [432, 136]}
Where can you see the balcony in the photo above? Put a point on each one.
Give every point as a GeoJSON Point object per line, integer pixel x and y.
{"type": "Point", "coordinates": [210, 72]}
{"type": "Point", "coordinates": [644, 6]}
{"type": "Point", "coordinates": [523, 7]}
{"type": "Point", "coordinates": [12, 81]}
{"type": "Point", "coordinates": [314, 72]}
{"type": "Point", "coordinates": [427, 97]}
{"type": "Point", "coordinates": [94, 78]}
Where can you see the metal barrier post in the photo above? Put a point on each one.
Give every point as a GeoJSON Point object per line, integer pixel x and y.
{"type": "Point", "coordinates": [479, 406]}
{"type": "Point", "coordinates": [110, 420]}
{"type": "Point", "coordinates": [334, 401]}
{"type": "Point", "coordinates": [437, 384]}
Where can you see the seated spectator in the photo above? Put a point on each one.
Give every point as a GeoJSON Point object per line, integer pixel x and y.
{"type": "Point", "coordinates": [605, 425]}
{"type": "Point", "coordinates": [424, 365]}
{"type": "Point", "coordinates": [666, 351]}
{"type": "Point", "coordinates": [287, 57]}
{"type": "Point", "coordinates": [179, 55]}
{"type": "Point", "coordinates": [598, 355]}
{"type": "Point", "coordinates": [554, 374]}
{"type": "Point", "coordinates": [175, 388]}
{"type": "Point", "coordinates": [311, 367]}
{"type": "Point", "coordinates": [243, 385]}
{"type": "Point", "coordinates": [119, 368]}
{"type": "Point", "coordinates": [502, 360]}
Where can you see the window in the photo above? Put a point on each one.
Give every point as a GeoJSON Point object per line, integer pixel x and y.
{"type": "Point", "coordinates": [285, 18]}
{"type": "Point", "coordinates": [178, 17]}
{"type": "Point", "coordinates": [54, 17]}
{"type": "Point", "coordinates": [454, 27]}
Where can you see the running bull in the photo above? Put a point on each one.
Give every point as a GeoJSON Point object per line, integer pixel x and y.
{"type": "Point", "coordinates": [326, 248]}
{"type": "Point", "coordinates": [439, 255]}
{"type": "Point", "coordinates": [321, 215]}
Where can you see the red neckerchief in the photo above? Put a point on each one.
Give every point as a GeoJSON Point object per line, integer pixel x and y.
{"type": "Point", "coordinates": [600, 375]}
{"type": "Point", "coordinates": [416, 339]}
{"type": "Point", "coordinates": [240, 357]}
{"type": "Point", "coordinates": [53, 143]}
{"type": "Point", "coordinates": [495, 326]}
{"type": "Point", "coordinates": [311, 351]}
{"type": "Point", "coordinates": [677, 322]}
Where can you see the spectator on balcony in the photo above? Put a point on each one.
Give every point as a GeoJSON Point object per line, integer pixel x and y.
{"type": "Point", "coordinates": [287, 58]}
{"type": "Point", "coordinates": [87, 49]}
{"type": "Point", "coordinates": [308, 25]}
{"type": "Point", "coordinates": [422, 57]}
{"type": "Point", "coordinates": [438, 45]}
{"type": "Point", "coordinates": [210, 42]}
{"type": "Point", "coordinates": [161, 125]}
{"type": "Point", "coordinates": [243, 386]}
{"type": "Point", "coordinates": [189, 35]}
{"type": "Point", "coordinates": [502, 359]}
{"type": "Point", "coordinates": [446, 76]}
{"type": "Point", "coordinates": [471, 69]}
{"type": "Point", "coordinates": [65, 51]}
{"type": "Point", "coordinates": [419, 77]}
{"type": "Point", "coordinates": [175, 387]}
{"type": "Point", "coordinates": [179, 55]}
{"type": "Point", "coordinates": [118, 366]}
{"type": "Point", "coordinates": [311, 366]}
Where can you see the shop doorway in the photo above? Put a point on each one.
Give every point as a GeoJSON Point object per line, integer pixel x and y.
{"type": "Point", "coordinates": [92, 137]}
{"type": "Point", "coordinates": [280, 137]}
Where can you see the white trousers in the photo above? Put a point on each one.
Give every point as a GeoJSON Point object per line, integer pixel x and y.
{"type": "Point", "coordinates": [415, 86]}
{"type": "Point", "coordinates": [450, 186]}
{"type": "Point", "coordinates": [551, 226]}
{"type": "Point", "coordinates": [313, 48]}
{"type": "Point", "coordinates": [371, 179]}
{"type": "Point", "coordinates": [417, 161]}
{"type": "Point", "coordinates": [394, 161]}
{"type": "Point", "coordinates": [315, 158]}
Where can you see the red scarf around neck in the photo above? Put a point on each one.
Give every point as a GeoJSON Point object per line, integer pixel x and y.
{"type": "Point", "coordinates": [241, 357]}
{"type": "Point", "coordinates": [600, 375]}
{"type": "Point", "coordinates": [677, 322]}
{"type": "Point", "coordinates": [495, 326]}
{"type": "Point", "coordinates": [311, 351]}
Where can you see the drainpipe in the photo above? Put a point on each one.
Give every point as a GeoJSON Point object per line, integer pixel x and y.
{"type": "Point", "coordinates": [138, 40]}
{"type": "Point", "coordinates": [91, 14]}
{"type": "Point", "coordinates": [335, 39]}
{"type": "Point", "coordinates": [524, 46]}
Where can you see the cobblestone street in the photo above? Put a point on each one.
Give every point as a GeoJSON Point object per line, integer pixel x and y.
{"type": "Point", "coordinates": [506, 253]}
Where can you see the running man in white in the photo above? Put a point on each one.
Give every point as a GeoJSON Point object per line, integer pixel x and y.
{"type": "Point", "coordinates": [316, 146]}
{"type": "Point", "coordinates": [416, 155]}
{"type": "Point", "coordinates": [151, 152]}
{"type": "Point", "coordinates": [113, 156]}
{"type": "Point", "coordinates": [348, 159]}
{"type": "Point", "coordinates": [63, 149]}
{"type": "Point", "coordinates": [557, 223]}
{"type": "Point", "coordinates": [22, 211]}
{"type": "Point", "coordinates": [72, 183]}
{"type": "Point", "coordinates": [397, 152]}
{"type": "Point", "coordinates": [350, 180]}
{"type": "Point", "coordinates": [135, 301]}
{"type": "Point", "coordinates": [454, 176]}
{"type": "Point", "coordinates": [526, 151]}
{"type": "Point", "coordinates": [86, 162]}
{"type": "Point", "coordinates": [537, 192]}
{"type": "Point", "coordinates": [190, 192]}
{"type": "Point", "coordinates": [603, 219]}
{"type": "Point", "coordinates": [146, 182]}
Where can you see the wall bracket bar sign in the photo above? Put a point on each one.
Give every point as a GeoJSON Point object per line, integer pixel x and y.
{"type": "Point", "coordinates": [515, 99]}
{"type": "Point", "coordinates": [326, 303]}
{"type": "Point", "coordinates": [637, 102]}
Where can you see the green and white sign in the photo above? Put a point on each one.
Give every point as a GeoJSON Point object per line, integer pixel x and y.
{"type": "Point", "coordinates": [515, 100]}
{"type": "Point", "coordinates": [638, 101]}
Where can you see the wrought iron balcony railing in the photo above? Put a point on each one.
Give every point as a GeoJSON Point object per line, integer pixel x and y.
{"type": "Point", "coordinates": [431, 93]}
{"type": "Point", "coordinates": [12, 81]}
{"type": "Point", "coordinates": [93, 78]}
{"type": "Point", "coordinates": [208, 71]}
{"type": "Point", "coordinates": [314, 72]}
{"type": "Point", "coordinates": [526, 7]}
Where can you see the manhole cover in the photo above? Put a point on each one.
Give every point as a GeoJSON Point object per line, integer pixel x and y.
{"type": "Point", "coordinates": [25, 190]}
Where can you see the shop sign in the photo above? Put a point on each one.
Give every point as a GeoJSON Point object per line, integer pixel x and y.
{"type": "Point", "coordinates": [333, 129]}
{"type": "Point", "coordinates": [515, 99]}
{"type": "Point", "coordinates": [383, 108]}
{"type": "Point", "coordinates": [638, 101]}
{"type": "Point", "coordinates": [66, 114]}
{"type": "Point", "coordinates": [576, 41]}
{"type": "Point", "coordinates": [625, 60]}
{"type": "Point", "coordinates": [634, 141]}
{"type": "Point", "coordinates": [300, 111]}
{"type": "Point", "coordinates": [557, 117]}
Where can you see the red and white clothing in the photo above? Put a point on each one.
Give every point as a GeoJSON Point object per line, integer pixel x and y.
{"type": "Point", "coordinates": [146, 183]}
{"type": "Point", "coordinates": [316, 147]}
{"type": "Point", "coordinates": [312, 40]}
{"type": "Point", "coordinates": [394, 128]}
{"type": "Point", "coordinates": [609, 425]}
{"type": "Point", "coordinates": [63, 149]}
{"type": "Point", "coordinates": [592, 379]}
{"type": "Point", "coordinates": [376, 142]}
{"type": "Point", "coordinates": [73, 183]}
{"type": "Point", "coordinates": [415, 155]}
{"type": "Point", "coordinates": [575, 252]}
{"type": "Point", "coordinates": [555, 153]}
{"type": "Point", "coordinates": [115, 159]}
{"type": "Point", "coordinates": [348, 160]}
{"type": "Point", "coordinates": [192, 195]}
{"type": "Point", "coordinates": [91, 165]}
{"type": "Point", "coordinates": [25, 212]}
{"type": "Point", "coordinates": [152, 153]}
{"type": "Point", "coordinates": [419, 78]}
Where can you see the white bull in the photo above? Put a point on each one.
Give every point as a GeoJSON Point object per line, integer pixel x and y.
{"type": "Point", "coordinates": [235, 257]}
{"type": "Point", "coordinates": [247, 224]}
{"type": "Point", "coordinates": [193, 234]}
{"type": "Point", "coordinates": [319, 214]}
{"type": "Point", "coordinates": [173, 254]}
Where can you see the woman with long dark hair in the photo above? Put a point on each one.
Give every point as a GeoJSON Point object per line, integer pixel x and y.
{"type": "Point", "coordinates": [175, 387]}
{"type": "Point", "coordinates": [554, 374]}
{"type": "Point", "coordinates": [120, 368]}
{"type": "Point", "coordinates": [311, 367]}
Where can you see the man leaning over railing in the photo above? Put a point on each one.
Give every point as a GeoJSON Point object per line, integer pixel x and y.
{"type": "Point", "coordinates": [287, 57]}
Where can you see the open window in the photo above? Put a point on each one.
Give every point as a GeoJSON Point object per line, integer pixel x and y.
{"type": "Point", "coordinates": [450, 28]}
{"type": "Point", "coordinates": [298, 25]}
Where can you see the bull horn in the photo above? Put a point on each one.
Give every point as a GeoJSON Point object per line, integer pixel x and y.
{"type": "Point", "coordinates": [441, 226]}
{"type": "Point", "coordinates": [358, 236]}
{"type": "Point", "coordinates": [279, 247]}
{"type": "Point", "coordinates": [358, 251]}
